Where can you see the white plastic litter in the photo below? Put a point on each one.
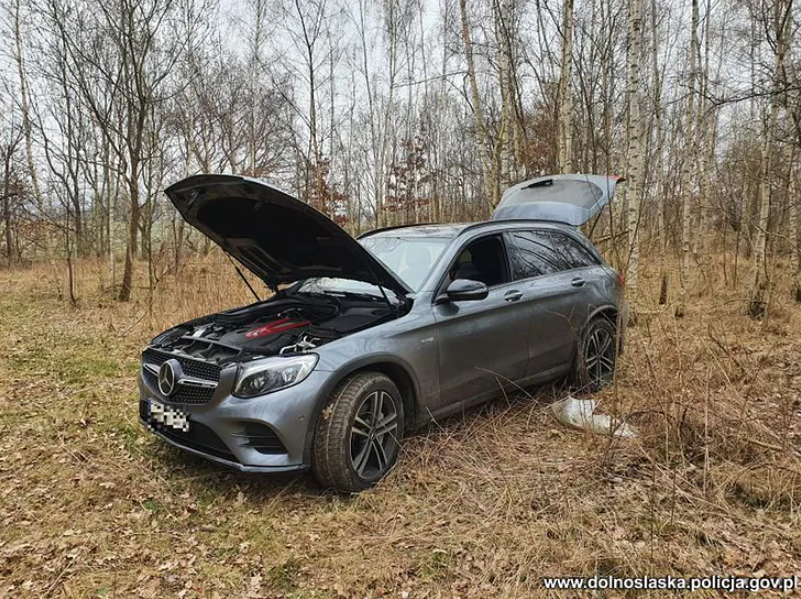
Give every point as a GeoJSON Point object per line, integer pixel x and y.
{"type": "Point", "coordinates": [580, 414]}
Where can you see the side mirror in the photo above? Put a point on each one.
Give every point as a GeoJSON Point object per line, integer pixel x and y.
{"type": "Point", "coordinates": [465, 290]}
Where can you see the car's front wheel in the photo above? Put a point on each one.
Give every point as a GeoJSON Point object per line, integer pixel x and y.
{"type": "Point", "coordinates": [596, 355]}
{"type": "Point", "coordinates": [358, 433]}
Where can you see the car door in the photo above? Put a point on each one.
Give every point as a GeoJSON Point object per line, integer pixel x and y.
{"type": "Point", "coordinates": [584, 271]}
{"type": "Point", "coordinates": [550, 299]}
{"type": "Point", "coordinates": [484, 343]}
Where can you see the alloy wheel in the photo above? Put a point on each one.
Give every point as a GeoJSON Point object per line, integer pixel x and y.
{"type": "Point", "coordinates": [600, 356]}
{"type": "Point", "coordinates": [373, 437]}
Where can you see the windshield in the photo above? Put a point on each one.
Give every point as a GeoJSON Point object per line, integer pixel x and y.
{"type": "Point", "coordinates": [410, 258]}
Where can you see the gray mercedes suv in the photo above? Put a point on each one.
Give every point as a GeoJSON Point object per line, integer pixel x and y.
{"type": "Point", "coordinates": [363, 340]}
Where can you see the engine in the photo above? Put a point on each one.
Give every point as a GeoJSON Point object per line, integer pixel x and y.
{"type": "Point", "coordinates": [276, 326]}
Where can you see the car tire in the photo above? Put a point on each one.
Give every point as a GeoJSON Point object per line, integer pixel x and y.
{"type": "Point", "coordinates": [596, 356]}
{"type": "Point", "coordinates": [353, 448]}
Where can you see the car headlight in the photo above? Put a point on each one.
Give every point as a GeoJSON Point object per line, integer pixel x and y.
{"type": "Point", "coordinates": [265, 376]}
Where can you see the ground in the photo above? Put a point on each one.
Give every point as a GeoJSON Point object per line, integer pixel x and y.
{"type": "Point", "coordinates": [486, 504]}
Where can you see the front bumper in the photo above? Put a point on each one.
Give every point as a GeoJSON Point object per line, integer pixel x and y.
{"type": "Point", "coordinates": [224, 462]}
{"type": "Point", "coordinates": [223, 429]}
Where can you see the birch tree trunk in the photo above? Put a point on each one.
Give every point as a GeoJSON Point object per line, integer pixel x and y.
{"type": "Point", "coordinates": [758, 302]}
{"type": "Point", "coordinates": [658, 176]}
{"type": "Point", "coordinates": [490, 180]}
{"type": "Point", "coordinates": [565, 122]}
{"type": "Point", "coordinates": [706, 124]}
{"type": "Point", "coordinates": [687, 183]}
{"type": "Point", "coordinates": [505, 161]}
{"type": "Point", "coordinates": [635, 135]}
{"type": "Point", "coordinates": [794, 208]}
{"type": "Point", "coordinates": [25, 106]}
{"type": "Point", "coordinates": [384, 167]}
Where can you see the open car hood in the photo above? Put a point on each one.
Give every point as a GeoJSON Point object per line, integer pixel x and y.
{"type": "Point", "coordinates": [276, 236]}
{"type": "Point", "coordinates": [569, 199]}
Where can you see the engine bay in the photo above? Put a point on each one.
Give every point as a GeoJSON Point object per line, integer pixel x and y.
{"type": "Point", "coordinates": [280, 325]}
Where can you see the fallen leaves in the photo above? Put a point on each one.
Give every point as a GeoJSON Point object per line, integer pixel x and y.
{"type": "Point", "coordinates": [482, 505]}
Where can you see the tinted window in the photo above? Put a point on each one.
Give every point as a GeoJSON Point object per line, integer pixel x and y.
{"type": "Point", "coordinates": [483, 260]}
{"type": "Point", "coordinates": [572, 251]}
{"type": "Point", "coordinates": [531, 254]}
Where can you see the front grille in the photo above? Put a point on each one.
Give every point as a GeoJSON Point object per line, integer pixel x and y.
{"type": "Point", "coordinates": [199, 437]}
{"type": "Point", "coordinates": [194, 368]}
{"type": "Point", "coordinates": [261, 438]}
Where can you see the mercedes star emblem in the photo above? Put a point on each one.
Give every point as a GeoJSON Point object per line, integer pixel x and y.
{"type": "Point", "coordinates": [167, 377]}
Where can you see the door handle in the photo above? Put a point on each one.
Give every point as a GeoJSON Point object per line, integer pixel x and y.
{"type": "Point", "coordinates": [513, 296]}
{"type": "Point", "coordinates": [577, 282]}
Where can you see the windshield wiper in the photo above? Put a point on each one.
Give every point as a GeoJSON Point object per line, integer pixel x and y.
{"type": "Point", "coordinates": [337, 293]}
{"type": "Point", "coordinates": [368, 296]}
{"type": "Point", "coordinates": [320, 294]}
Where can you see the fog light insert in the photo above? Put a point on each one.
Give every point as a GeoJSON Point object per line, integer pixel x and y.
{"type": "Point", "coordinates": [261, 438]}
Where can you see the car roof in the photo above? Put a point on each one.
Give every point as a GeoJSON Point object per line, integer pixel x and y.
{"type": "Point", "coordinates": [451, 230]}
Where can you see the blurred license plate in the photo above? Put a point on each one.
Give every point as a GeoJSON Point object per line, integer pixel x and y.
{"type": "Point", "coordinates": [170, 417]}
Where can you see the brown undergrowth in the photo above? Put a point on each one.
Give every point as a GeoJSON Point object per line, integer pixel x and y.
{"type": "Point", "coordinates": [482, 505]}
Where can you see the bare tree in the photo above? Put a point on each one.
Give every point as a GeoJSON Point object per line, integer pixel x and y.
{"type": "Point", "coordinates": [778, 19]}
{"type": "Point", "coordinates": [380, 114]}
{"type": "Point", "coordinates": [25, 101]}
{"type": "Point", "coordinates": [12, 187]}
{"type": "Point", "coordinates": [565, 93]}
{"type": "Point", "coordinates": [490, 179]}
{"type": "Point", "coordinates": [121, 61]}
{"type": "Point", "coordinates": [688, 160]}
{"type": "Point", "coordinates": [635, 155]}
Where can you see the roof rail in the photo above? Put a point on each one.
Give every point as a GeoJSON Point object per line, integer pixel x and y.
{"type": "Point", "coordinates": [512, 221]}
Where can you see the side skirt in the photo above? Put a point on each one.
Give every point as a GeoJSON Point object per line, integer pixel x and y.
{"type": "Point", "coordinates": [535, 379]}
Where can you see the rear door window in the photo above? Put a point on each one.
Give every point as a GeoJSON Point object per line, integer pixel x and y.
{"type": "Point", "coordinates": [572, 252]}
{"type": "Point", "coordinates": [531, 254]}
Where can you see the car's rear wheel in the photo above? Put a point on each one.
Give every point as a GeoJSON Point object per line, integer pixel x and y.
{"type": "Point", "coordinates": [359, 433]}
{"type": "Point", "coordinates": [596, 356]}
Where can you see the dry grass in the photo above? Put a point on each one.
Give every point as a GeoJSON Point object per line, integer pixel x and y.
{"type": "Point", "coordinates": [483, 505]}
